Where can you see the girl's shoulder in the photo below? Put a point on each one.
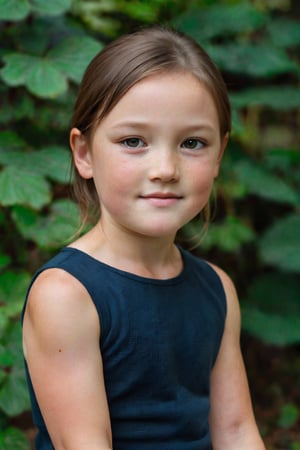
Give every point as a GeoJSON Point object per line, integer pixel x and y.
{"type": "Point", "coordinates": [54, 290]}
{"type": "Point", "coordinates": [221, 281]}
{"type": "Point", "coordinates": [227, 282]}
{"type": "Point", "coordinates": [58, 309]}
{"type": "Point", "coordinates": [232, 301]}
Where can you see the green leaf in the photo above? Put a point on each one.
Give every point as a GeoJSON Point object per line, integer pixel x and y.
{"type": "Point", "coordinates": [284, 32]}
{"type": "Point", "coordinates": [44, 80]}
{"type": "Point", "coordinates": [14, 398]}
{"type": "Point", "coordinates": [4, 260]}
{"type": "Point", "coordinates": [272, 312]}
{"type": "Point", "coordinates": [14, 10]}
{"type": "Point", "coordinates": [271, 328]}
{"type": "Point", "coordinates": [10, 111]}
{"type": "Point", "coordinates": [6, 358]}
{"type": "Point", "coordinates": [24, 218]}
{"type": "Point", "coordinates": [229, 235]}
{"type": "Point", "coordinates": [97, 16]}
{"type": "Point", "coordinates": [51, 8]}
{"type": "Point", "coordinates": [13, 342]}
{"type": "Point", "coordinates": [4, 321]}
{"type": "Point", "coordinates": [14, 393]}
{"type": "Point", "coordinates": [9, 140]}
{"type": "Point", "coordinates": [73, 54]}
{"type": "Point", "coordinates": [34, 39]}
{"type": "Point", "coordinates": [13, 287]}
{"type": "Point", "coordinates": [14, 158]}
{"type": "Point", "coordinates": [17, 67]}
{"type": "Point", "coordinates": [280, 245]}
{"type": "Point", "coordinates": [12, 438]}
{"type": "Point", "coordinates": [142, 11]}
{"type": "Point", "coordinates": [284, 160]}
{"type": "Point", "coordinates": [280, 98]}
{"type": "Point", "coordinates": [268, 293]}
{"type": "Point", "coordinates": [221, 20]}
{"type": "Point", "coordinates": [60, 226]}
{"type": "Point", "coordinates": [52, 230]}
{"type": "Point", "coordinates": [53, 162]}
{"type": "Point", "coordinates": [264, 60]}
{"type": "Point", "coordinates": [39, 75]}
{"type": "Point", "coordinates": [289, 415]}
{"type": "Point", "coordinates": [23, 189]}
{"type": "Point", "coordinates": [260, 182]}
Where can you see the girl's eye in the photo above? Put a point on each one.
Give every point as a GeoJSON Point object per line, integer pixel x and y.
{"type": "Point", "coordinates": [133, 142]}
{"type": "Point", "coordinates": [193, 144]}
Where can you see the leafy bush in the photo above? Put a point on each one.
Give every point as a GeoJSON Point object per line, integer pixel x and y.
{"type": "Point", "coordinates": [45, 48]}
{"type": "Point", "coordinates": [44, 56]}
{"type": "Point", "coordinates": [258, 221]}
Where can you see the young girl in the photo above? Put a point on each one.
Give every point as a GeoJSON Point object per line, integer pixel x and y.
{"type": "Point", "coordinates": [132, 343]}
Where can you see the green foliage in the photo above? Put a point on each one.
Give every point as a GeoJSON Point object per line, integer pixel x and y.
{"type": "Point", "coordinates": [280, 245]}
{"type": "Point", "coordinates": [20, 9]}
{"type": "Point", "coordinates": [12, 438]}
{"type": "Point", "coordinates": [258, 180]}
{"type": "Point", "coordinates": [46, 76]}
{"type": "Point", "coordinates": [51, 230]}
{"type": "Point", "coordinates": [44, 56]}
{"type": "Point", "coordinates": [13, 392]}
{"type": "Point", "coordinates": [46, 46]}
{"type": "Point", "coordinates": [13, 389]}
{"type": "Point", "coordinates": [259, 187]}
{"type": "Point", "coordinates": [271, 311]}
{"type": "Point", "coordinates": [289, 415]}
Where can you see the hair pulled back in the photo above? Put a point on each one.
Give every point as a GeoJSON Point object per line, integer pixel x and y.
{"type": "Point", "coordinates": [122, 64]}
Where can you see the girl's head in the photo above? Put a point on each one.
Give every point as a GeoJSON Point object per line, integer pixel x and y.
{"type": "Point", "coordinates": [121, 65]}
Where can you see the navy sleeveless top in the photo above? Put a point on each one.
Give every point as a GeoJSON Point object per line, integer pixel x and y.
{"type": "Point", "coordinates": [159, 341]}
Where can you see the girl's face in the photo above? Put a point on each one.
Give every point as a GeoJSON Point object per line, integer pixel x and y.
{"type": "Point", "coordinates": [154, 157]}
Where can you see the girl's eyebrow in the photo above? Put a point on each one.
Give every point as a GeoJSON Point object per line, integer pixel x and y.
{"type": "Point", "coordinates": [131, 124]}
{"type": "Point", "coordinates": [189, 127]}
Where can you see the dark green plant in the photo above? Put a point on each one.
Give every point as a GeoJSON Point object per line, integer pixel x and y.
{"type": "Point", "coordinates": [43, 58]}
{"type": "Point", "coordinates": [288, 416]}
{"type": "Point", "coordinates": [258, 218]}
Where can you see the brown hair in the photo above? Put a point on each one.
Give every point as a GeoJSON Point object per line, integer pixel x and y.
{"type": "Point", "coordinates": [123, 63]}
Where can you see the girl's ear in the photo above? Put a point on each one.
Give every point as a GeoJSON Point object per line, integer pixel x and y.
{"type": "Point", "coordinates": [81, 153]}
{"type": "Point", "coordinates": [221, 153]}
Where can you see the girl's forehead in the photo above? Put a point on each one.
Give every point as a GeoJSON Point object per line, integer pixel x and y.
{"type": "Point", "coordinates": [157, 79]}
{"type": "Point", "coordinates": [166, 97]}
{"type": "Point", "coordinates": [159, 87]}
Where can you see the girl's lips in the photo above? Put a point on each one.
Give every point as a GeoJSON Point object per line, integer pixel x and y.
{"type": "Point", "coordinates": [161, 199]}
{"type": "Point", "coordinates": [161, 195]}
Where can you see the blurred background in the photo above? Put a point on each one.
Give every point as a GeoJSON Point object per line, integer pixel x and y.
{"type": "Point", "coordinates": [255, 232]}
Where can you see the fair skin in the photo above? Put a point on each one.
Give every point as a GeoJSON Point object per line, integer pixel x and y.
{"type": "Point", "coordinates": [153, 158]}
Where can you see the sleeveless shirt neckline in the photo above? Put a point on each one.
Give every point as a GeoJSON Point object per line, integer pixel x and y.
{"type": "Point", "coordinates": [147, 280]}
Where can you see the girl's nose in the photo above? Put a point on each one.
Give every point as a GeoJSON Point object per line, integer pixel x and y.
{"type": "Point", "coordinates": [164, 166]}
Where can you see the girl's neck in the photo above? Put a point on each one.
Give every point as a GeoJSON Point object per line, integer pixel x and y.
{"type": "Point", "coordinates": [144, 256]}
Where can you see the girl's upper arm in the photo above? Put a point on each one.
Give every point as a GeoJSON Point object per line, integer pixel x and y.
{"type": "Point", "coordinates": [232, 420]}
{"type": "Point", "coordinates": [61, 333]}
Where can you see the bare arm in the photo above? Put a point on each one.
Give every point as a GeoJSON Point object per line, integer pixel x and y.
{"type": "Point", "coordinates": [61, 344]}
{"type": "Point", "coordinates": [232, 421]}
